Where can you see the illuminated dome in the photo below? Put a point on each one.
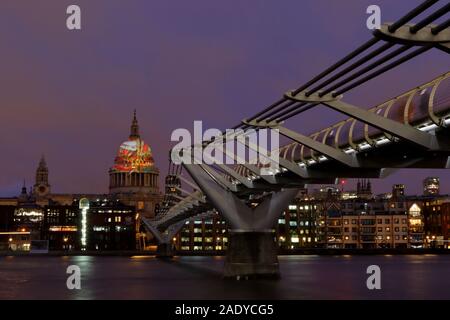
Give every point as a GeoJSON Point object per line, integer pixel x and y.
{"type": "Point", "coordinates": [134, 154]}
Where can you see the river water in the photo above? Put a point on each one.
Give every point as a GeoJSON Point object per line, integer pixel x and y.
{"type": "Point", "coordinates": [302, 277]}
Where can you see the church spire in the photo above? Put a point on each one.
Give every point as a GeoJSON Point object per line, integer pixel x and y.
{"type": "Point", "coordinates": [24, 188]}
{"type": "Point", "coordinates": [134, 134]}
{"type": "Point", "coordinates": [42, 163]}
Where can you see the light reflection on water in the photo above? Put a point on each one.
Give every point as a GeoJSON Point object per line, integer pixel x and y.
{"type": "Point", "coordinates": [303, 277]}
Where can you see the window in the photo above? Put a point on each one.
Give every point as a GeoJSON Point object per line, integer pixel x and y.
{"type": "Point", "coordinates": [387, 221]}
{"type": "Point", "coordinates": [388, 229]}
{"type": "Point", "coordinates": [396, 221]}
{"type": "Point", "coordinates": [281, 221]}
{"type": "Point", "coordinates": [368, 221]}
{"type": "Point", "coordinates": [380, 221]}
{"type": "Point", "coordinates": [294, 239]}
{"type": "Point", "coordinates": [380, 229]}
{"type": "Point", "coordinates": [397, 229]}
{"type": "Point", "coordinates": [100, 229]}
{"type": "Point", "coordinates": [354, 221]}
{"type": "Point", "coordinates": [293, 223]}
{"type": "Point", "coordinates": [345, 221]}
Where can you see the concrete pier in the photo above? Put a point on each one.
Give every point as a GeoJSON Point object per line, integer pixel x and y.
{"type": "Point", "coordinates": [164, 250]}
{"type": "Point", "coordinates": [251, 254]}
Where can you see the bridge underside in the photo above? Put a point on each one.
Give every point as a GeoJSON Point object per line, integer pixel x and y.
{"type": "Point", "coordinates": [409, 131]}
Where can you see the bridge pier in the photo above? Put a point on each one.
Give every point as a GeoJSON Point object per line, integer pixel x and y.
{"type": "Point", "coordinates": [164, 251]}
{"type": "Point", "coordinates": [252, 250]}
{"type": "Point", "coordinates": [251, 254]}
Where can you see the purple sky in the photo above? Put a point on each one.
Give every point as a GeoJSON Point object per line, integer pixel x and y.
{"type": "Point", "coordinates": [70, 95]}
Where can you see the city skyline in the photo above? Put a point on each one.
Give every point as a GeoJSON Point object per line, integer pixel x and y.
{"type": "Point", "coordinates": [225, 157]}
{"type": "Point", "coordinates": [73, 104]}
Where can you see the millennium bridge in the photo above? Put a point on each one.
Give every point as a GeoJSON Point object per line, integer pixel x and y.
{"type": "Point", "coordinates": [407, 131]}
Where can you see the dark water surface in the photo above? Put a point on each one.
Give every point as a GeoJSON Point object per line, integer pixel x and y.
{"type": "Point", "coordinates": [302, 277]}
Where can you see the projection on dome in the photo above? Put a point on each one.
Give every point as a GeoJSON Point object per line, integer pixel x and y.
{"type": "Point", "coordinates": [133, 156]}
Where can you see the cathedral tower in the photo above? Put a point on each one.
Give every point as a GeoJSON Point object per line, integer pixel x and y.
{"type": "Point", "coordinates": [41, 186]}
